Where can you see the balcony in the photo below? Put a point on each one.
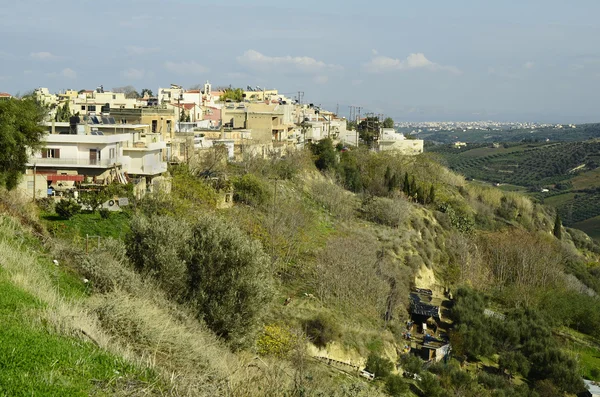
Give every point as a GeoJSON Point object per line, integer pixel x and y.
{"type": "Point", "coordinates": [70, 162]}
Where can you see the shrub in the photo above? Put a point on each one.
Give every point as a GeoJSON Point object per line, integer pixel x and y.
{"type": "Point", "coordinates": [46, 204]}
{"type": "Point", "coordinates": [321, 330]}
{"type": "Point", "coordinates": [156, 247]}
{"type": "Point", "coordinates": [381, 367]}
{"type": "Point", "coordinates": [228, 278]}
{"type": "Point", "coordinates": [251, 190]}
{"type": "Point", "coordinates": [275, 340]}
{"type": "Point", "coordinates": [67, 208]}
{"type": "Point", "coordinates": [395, 385]}
{"type": "Point", "coordinates": [104, 213]}
{"type": "Point", "coordinates": [385, 211]}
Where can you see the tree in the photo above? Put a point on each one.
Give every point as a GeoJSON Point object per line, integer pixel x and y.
{"type": "Point", "coordinates": [128, 90]}
{"type": "Point", "coordinates": [381, 367]}
{"type": "Point", "coordinates": [67, 208]}
{"type": "Point", "coordinates": [20, 133]}
{"type": "Point", "coordinates": [232, 94]}
{"type": "Point", "coordinates": [368, 129]}
{"type": "Point", "coordinates": [388, 123]}
{"type": "Point", "coordinates": [63, 113]}
{"type": "Point", "coordinates": [557, 227]}
{"type": "Point", "coordinates": [93, 199]}
{"type": "Point", "coordinates": [229, 278]}
{"type": "Point", "coordinates": [146, 92]}
{"type": "Point", "coordinates": [325, 153]}
{"type": "Point", "coordinates": [406, 185]}
{"type": "Point", "coordinates": [431, 197]}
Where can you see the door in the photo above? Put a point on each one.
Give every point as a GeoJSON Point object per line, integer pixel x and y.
{"type": "Point", "coordinates": [93, 156]}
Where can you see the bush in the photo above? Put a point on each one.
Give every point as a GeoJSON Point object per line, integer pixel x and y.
{"type": "Point", "coordinates": [67, 208]}
{"type": "Point", "coordinates": [395, 385]}
{"type": "Point", "coordinates": [381, 367]}
{"type": "Point", "coordinates": [321, 330]}
{"type": "Point", "coordinates": [104, 213]}
{"type": "Point", "coordinates": [228, 278]}
{"type": "Point", "coordinates": [251, 190]}
{"type": "Point", "coordinates": [275, 340]}
{"type": "Point", "coordinates": [156, 248]}
{"type": "Point", "coordinates": [210, 264]}
{"type": "Point", "coordinates": [385, 211]}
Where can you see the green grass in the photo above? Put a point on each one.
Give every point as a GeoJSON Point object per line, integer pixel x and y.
{"type": "Point", "coordinates": [116, 226]}
{"type": "Point", "coordinates": [35, 361]}
{"type": "Point", "coordinates": [591, 227]}
{"type": "Point", "coordinates": [559, 199]}
{"type": "Point", "coordinates": [587, 179]}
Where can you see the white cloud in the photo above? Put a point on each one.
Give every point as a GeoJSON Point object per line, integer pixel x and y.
{"type": "Point", "coordinates": [68, 73]}
{"type": "Point", "coordinates": [42, 56]}
{"type": "Point", "coordinates": [255, 60]}
{"type": "Point", "coordinates": [382, 64]}
{"type": "Point", "coordinates": [133, 74]}
{"type": "Point", "coordinates": [137, 50]}
{"type": "Point", "coordinates": [528, 65]}
{"type": "Point", "coordinates": [189, 67]}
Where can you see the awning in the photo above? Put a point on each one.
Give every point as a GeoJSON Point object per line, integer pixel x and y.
{"type": "Point", "coordinates": [73, 178]}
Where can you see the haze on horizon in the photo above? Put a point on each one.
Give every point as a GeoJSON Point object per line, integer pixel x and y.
{"type": "Point", "coordinates": [533, 60]}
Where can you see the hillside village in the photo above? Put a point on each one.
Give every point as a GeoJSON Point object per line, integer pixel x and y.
{"type": "Point", "coordinates": [99, 136]}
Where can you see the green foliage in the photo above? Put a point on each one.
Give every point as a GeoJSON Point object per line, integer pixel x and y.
{"type": "Point", "coordinates": [430, 385]}
{"type": "Point", "coordinates": [93, 198]}
{"type": "Point", "coordinates": [368, 129]}
{"type": "Point", "coordinates": [146, 92]}
{"type": "Point", "coordinates": [229, 278]}
{"type": "Point", "coordinates": [321, 330]}
{"type": "Point", "coordinates": [557, 231]}
{"type": "Point", "coordinates": [395, 385]}
{"type": "Point", "coordinates": [275, 340]}
{"type": "Point", "coordinates": [411, 364]}
{"type": "Point", "coordinates": [388, 122]}
{"type": "Point", "coordinates": [251, 190]}
{"type": "Point", "coordinates": [385, 211]}
{"type": "Point", "coordinates": [104, 213]}
{"type": "Point", "coordinates": [459, 219]}
{"type": "Point", "coordinates": [381, 367]}
{"type": "Point", "coordinates": [232, 94]}
{"type": "Point", "coordinates": [211, 264]}
{"type": "Point", "coordinates": [523, 339]}
{"type": "Point", "coordinates": [325, 154]}
{"type": "Point", "coordinates": [67, 208]}
{"type": "Point", "coordinates": [20, 133]}
{"type": "Point", "coordinates": [63, 113]}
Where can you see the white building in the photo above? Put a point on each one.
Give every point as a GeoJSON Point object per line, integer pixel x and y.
{"type": "Point", "coordinates": [97, 157]}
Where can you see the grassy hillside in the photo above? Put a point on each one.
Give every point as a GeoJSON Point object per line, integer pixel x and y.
{"type": "Point", "coordinates": [314, 261]}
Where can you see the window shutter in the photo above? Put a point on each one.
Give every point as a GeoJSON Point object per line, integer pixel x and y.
{"type": "Point", "coordinates": [56, 153]}
{"type": "Point", "coordinates": [44, 153]}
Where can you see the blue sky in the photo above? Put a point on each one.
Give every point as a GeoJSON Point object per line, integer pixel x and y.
{"type": "Point", "coordinates": [528, 60]}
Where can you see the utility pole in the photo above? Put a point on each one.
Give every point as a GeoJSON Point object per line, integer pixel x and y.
{"type": "Point", "coordinates": [34, 178]}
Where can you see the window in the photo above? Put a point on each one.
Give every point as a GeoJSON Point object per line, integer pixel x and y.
{"type": "Point", "coordinates": [50, 153]}
{"type": "Point", "coordinates": [30, 185]}
{"type": "Point", "coordinates": [82, 107]}
{"type": "Point", "coordinates": [168, 125]}
{"type": "Point", "coordinates": [91, 108]}
{"type": "Point", "coordinates": [154, 125]}
{"type": "Point", "coordinates": [111, 153]}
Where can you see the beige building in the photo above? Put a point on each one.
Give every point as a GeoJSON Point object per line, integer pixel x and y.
{"type": "Point", "coordinates": [160, 120]}
{"type": "Point", "coordinates": [266, 121]}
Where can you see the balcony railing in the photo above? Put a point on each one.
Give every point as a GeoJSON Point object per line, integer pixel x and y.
{"type": "Point", "coordinates": [104, 163]}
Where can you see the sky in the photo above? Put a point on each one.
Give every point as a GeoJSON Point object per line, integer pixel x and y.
{"type": "Point", "coordinates": [508, 60]}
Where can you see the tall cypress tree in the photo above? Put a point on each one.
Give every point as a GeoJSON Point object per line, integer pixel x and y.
{"type": "Point", "coordinates": [557, 227]}
{"type": "Point", "coordinates": [406, 185]}
{"type": "Point", "coordinates": [431, 198]}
